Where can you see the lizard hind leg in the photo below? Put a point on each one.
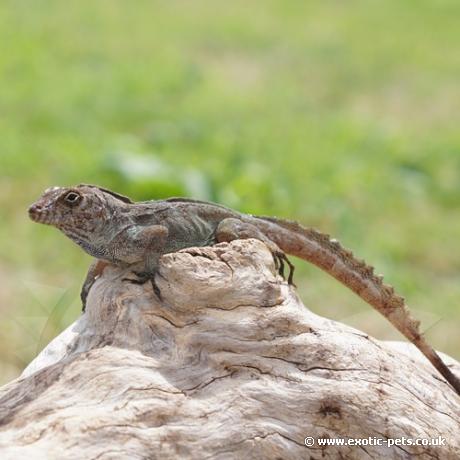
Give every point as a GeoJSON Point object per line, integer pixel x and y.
{"type": "Point", "coordinates": [233, 229]}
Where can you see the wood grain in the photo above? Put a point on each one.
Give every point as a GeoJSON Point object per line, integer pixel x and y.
{"type": "Point", "coordinates": [230, 364]}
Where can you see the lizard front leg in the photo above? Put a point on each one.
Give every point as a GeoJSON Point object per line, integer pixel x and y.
{"type": "Point", "coordinates": [94, 271]}
{"type": "Point", "coordinates": [150, 242]}
{"type": "Point", "coordinates": [232, 229]}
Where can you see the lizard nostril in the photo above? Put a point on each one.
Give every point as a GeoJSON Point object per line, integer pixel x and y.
{"type": "Point", "coordinates": [35, 208]}
{"type": "Point", "coordinates": [35, 211]}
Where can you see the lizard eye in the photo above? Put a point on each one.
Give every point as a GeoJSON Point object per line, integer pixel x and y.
{"type": "Point", "coordinates": [72, 198]}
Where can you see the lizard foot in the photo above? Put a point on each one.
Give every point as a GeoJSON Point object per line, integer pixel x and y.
{"type": "Point", "coordinates": [142, 278]}
{"type": "Point", "coordinates": [83, 297]}
{"type": "Point", "coordinates": [280, 259]}
{"type": "Point", "coordinates": [156, 289]}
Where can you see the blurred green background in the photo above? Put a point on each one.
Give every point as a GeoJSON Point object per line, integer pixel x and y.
{"type": "Point", "coordinates": [342, 115]}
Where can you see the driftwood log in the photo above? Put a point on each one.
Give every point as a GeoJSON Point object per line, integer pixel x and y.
{"type": "Point", "coordinates": [229, 364]}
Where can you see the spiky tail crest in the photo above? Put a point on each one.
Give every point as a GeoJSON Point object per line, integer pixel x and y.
{"type": "Point", "coordinates": [329, 255]}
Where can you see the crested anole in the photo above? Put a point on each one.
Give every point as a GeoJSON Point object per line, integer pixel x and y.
{"type": "Point", "coordinates": [116, 230]}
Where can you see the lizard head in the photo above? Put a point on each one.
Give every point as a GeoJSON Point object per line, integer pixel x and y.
{"type": "Point", "coordinates": [81, 212]}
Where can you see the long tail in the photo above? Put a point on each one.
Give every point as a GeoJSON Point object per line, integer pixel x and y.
{"type": "Point", "coordinates": [328, 254]}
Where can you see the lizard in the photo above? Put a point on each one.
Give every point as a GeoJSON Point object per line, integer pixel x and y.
{"type": "Point", "coordinates": [116, 230]}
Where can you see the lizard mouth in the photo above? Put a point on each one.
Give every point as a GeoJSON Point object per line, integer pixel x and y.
{"type": "Point", "coordinates": [37, 214]}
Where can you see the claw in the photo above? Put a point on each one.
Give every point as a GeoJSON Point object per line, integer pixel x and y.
{"type": "Point", "coordinates": [277, 265]}
{"type": "Point", "coordinates": [83, 297]}
{"type": "Point", "coordinates": [156, 289]}
{"type": "Point", "coordinates": [281, 264]}
{"type": "Point", "coordinates": [280, 259]}
{"type": "Point", "coordinates": [291, 272]}
{"type": "Point", "coordinates": [142, 278]}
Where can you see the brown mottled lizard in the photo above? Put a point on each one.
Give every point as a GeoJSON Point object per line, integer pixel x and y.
{"type": "Point", "coordinates": [116, 230]}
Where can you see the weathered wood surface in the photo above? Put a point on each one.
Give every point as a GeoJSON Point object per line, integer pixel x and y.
{"type": "Point", "coordinates": [229, 365]}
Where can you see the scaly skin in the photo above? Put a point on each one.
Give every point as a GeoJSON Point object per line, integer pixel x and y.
{"type": "Point", "coordinates": [113, 229]}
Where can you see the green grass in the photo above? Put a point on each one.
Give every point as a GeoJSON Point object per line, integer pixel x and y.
{"type": "Point", "coordinates": [343, 115]}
